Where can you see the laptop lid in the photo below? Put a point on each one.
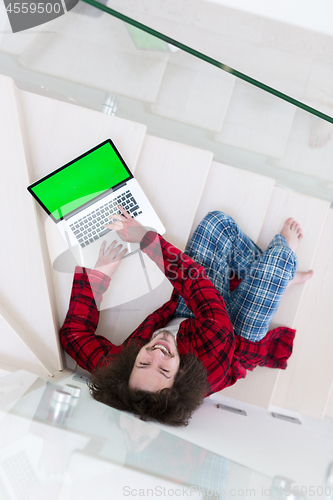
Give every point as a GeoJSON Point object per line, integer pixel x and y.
{"type": "Point", "coordinates": [81, 182]}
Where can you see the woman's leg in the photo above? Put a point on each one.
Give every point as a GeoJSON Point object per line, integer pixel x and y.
{"type": "Point", "coordinates": [221, 247]}
{"type": "Point", "coordinates": [256, 299]}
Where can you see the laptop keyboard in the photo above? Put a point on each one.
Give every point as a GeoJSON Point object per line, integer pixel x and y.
{"type": "Point", "coordinates": [21, 475]}
{"type": "Point", "coordinates": [91, 227]}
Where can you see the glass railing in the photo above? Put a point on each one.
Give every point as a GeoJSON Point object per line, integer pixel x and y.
{"type": "Point", "coordinates": [279, 55]}
{"type": "Point", "coordinates": [56, 442]}
{"type": "Point", "coordinates": [101, 59]}
{"type": "Point", "coordinates": [97, 57]}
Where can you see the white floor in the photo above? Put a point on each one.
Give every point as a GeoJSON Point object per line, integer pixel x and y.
{"type": "Point", "coordinates": [303, 13]}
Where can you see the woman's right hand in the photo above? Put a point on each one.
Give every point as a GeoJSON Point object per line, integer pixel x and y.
{"type": "Point", "coordinates": [127, 228]}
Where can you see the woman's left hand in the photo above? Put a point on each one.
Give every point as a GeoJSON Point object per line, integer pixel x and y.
{"type": "Point", "coordinates": [109, 258]}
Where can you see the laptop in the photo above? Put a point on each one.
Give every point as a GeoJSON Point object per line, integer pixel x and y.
{"type": "Point", "coordinates": [81, 195]}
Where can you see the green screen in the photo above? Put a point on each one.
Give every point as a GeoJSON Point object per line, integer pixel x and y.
{"type": "Point", "coordinates": [81, 181]}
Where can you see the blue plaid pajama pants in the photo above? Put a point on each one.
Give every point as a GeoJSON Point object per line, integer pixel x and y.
{"type": "Point", "coordinates": [222, 248]}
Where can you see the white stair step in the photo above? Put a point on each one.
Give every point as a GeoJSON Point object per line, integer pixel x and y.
{"type": "Point", "coordinates": [18, 354]}
{"type": "Point", "coordinates": [173, 177]}
{"type": "Point", "coordinates": [56, 133]}
{"type": "Point", "coordinates": [311, 213]}
{"type": "Point", "coordinates": [17, 44]}
{"type": "Point", "coordinates": [243, 195]}
{"type": "Point", "coordinates": [110, 62]}
{"type": "Point", "coordinates": [300, 157]}
{"type": "Point", "coordinates": [190, 87]}
{"type": "Point", "coordinates": [12, 388]}
{"type": "Point", "coordinates": [305, 385]}
{"type": "Point", "coordinates": [24, 285]}
{"type": "Point", "coordinates": [18, 348]}
{"type": "Point", "coordinates": [258, 386]}
{"type": "Point", "coordinates": [256, 121]}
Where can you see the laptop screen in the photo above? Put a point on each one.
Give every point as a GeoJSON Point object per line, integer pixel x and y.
{"type": "Point", "coordinates": [77, 183]}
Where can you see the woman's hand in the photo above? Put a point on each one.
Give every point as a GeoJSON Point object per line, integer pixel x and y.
{"type": "Point", "coordinates": [127, 228]}
{"type": "Point", "coordinates": [109, 258]}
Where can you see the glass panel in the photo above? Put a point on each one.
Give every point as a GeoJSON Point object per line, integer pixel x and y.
{"type": "Point", "coordinates": [96, 60]}
{"type": "Point", "coordinates": [64, 443]}
{"type": "Point", "coordinates": [291, 54]}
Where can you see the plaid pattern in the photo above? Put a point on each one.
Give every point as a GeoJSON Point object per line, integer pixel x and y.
{"type": "Point", "coordinates": [213, 476]}
{"type": "Point", "coordinates": [209, 335]}
{"type": "Point", "coordinates": [222, 248]}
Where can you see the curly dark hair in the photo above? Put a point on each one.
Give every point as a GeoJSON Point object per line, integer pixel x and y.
{"type": "Point", "coordinates": [109, 384]}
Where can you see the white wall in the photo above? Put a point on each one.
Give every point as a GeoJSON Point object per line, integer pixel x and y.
{"type": "Point", "coordinates": [265, 444]}
{"type": "Point", "coordinates": [258, 441]}
{"type": "Point", "coordinates": [316, 16]}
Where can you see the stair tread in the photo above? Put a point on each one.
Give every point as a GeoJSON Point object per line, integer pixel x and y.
{"type": "Point", "coordinates": [57, 132]}
{"type": "Point", "coordinates": [305, 386]}
{"type": "Point", "coordinates": [243, 195]}
{"type": "Point", "coordinates": [311, 213]}
{"type": "Point", "coordinates": [22, 255]}
{"type": "Point", "coordinates": [258, 386]}
{"type": "Point", "coordinates": [173, 176]}
{"type": "Point", "coordinates": [16, 354]}
{"type": "Point", "coordinates": [256, 121]}
{"type": "Point", "coordinates": [189, 88]}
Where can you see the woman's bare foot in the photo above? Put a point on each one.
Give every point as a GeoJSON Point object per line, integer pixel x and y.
{"type": "Point", "coordinates": [300, 278]}
{"type": "Point", "coordinates": [293, 233]}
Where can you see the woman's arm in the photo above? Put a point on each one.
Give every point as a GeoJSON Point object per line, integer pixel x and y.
{"type": "Point", "coordinates": [77, 335]}
{"type": "Point", "coordinates": [187, 277]}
